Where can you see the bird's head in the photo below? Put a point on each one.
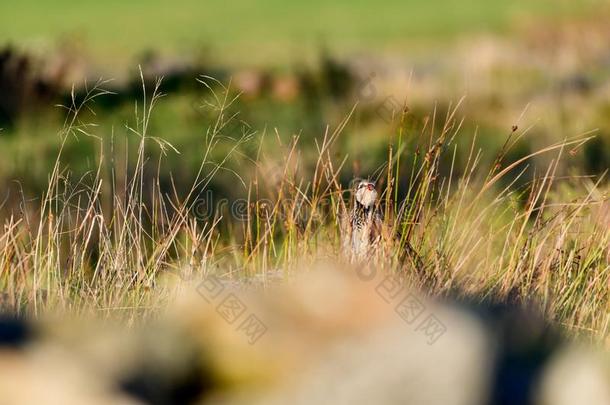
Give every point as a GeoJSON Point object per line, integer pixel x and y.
{"type": "Point", "coordinates": [366, 195]}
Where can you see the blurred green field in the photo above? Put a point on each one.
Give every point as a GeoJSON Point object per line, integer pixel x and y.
{"type": "Point", "coordinates": [518, 69]}
{"type": "Point", "coordinates": [270, 32]}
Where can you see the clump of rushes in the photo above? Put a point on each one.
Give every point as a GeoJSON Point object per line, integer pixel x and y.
{"type": "Point", "coordinates": [109, 242]}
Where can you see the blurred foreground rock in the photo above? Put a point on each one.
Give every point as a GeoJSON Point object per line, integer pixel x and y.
{"type": "Point", "coordinates": [329, 337]}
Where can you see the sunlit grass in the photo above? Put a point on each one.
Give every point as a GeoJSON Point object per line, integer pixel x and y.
{"type": "Point", "coordinates": [110, 240]}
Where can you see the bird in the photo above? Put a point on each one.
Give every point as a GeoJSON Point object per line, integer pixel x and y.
{"type": "Point", "coordinates": [364, 224]}
{"type": "Point", "coordinates": [365, 229]}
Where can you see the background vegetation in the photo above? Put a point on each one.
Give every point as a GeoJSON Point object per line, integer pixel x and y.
{"type": "Point", "coordinates": [148, 145]}
{"type": "Point", "coordinates": [487, 119]}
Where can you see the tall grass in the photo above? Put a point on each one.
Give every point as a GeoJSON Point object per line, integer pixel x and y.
{"type": "Point", "coordinates": [114, 242]}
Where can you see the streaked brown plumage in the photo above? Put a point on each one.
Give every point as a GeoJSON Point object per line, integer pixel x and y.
{"type": "Point", "coordinates": [364, 227]}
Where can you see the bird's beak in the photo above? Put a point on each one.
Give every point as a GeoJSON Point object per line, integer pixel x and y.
{"type": "Point", "coordinates": [370, 187]}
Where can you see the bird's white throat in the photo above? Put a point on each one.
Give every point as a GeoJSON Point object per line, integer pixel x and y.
{"type": "Point", "coordinates": [366, 197]}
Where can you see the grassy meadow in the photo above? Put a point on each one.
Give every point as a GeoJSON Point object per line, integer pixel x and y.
{"type": "Point", "coordinates": [115, 237]}
{"type": "Point", "coordinates": [177, 185]}
{"type": "Point", "coordinates": [491, 159]}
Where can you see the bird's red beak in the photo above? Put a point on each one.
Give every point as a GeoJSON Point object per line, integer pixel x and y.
{"type": "Point", "coordinates": [370, 187]}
